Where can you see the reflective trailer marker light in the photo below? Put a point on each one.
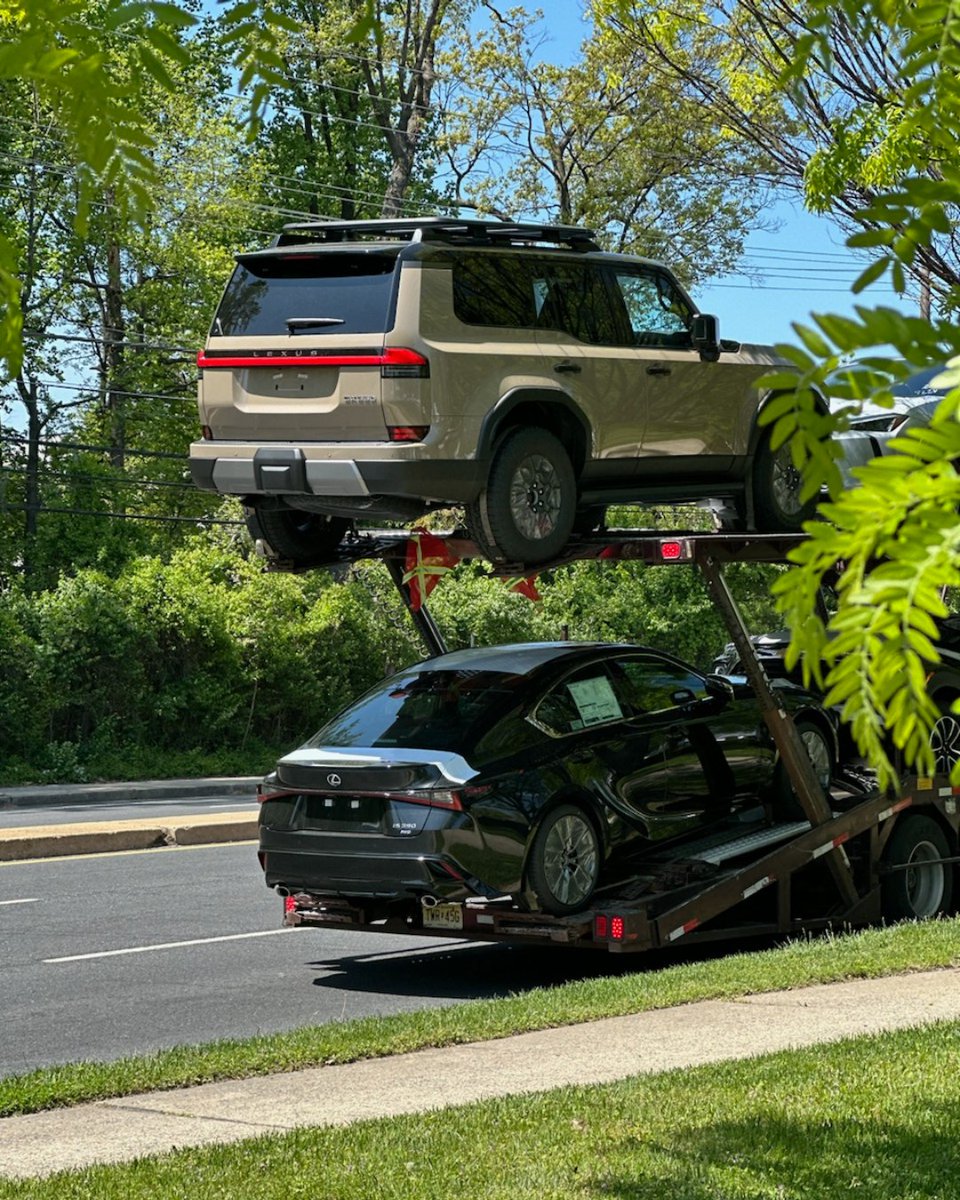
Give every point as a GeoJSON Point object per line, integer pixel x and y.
{"type": "Point", "coordinates": [289, 904]}
{"type": "Point", "coordinates": [675, 550]}
{"type": "Point", "coordinates": [616, 928]}
{"type": "Point", "coordinates": [600, 927]}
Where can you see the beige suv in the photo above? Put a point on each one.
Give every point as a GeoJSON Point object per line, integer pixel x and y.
{"type": "Point", "coordinates": [382, 369]}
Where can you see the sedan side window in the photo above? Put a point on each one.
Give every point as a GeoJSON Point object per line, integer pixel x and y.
{"type": "Point", "coordinates": [651, 685]}
{"type": "Point", "coordinates": [659, 315]}
{"type": "Point", "coordinates": [583, 699]}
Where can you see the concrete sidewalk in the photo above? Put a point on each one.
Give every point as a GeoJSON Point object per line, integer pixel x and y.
{"type": "Point", "coordinates": [711, 1031]}
{"type": "Point", "coordinates": [98, 837]}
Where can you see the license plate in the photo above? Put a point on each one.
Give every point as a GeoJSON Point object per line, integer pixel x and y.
{"type": "Point", "coordinates": [443, 916]}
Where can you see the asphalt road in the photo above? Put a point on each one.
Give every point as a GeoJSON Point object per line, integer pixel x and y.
{"type": "Point", "coordinates": [112, 955]}
{"type": "Point", "coordinates": [122, 810]}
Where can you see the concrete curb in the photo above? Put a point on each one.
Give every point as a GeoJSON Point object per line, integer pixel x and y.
{"type": "Point", "coordinates": [162, 789]}
{"type": "Point", "coordinates": [104, 837]}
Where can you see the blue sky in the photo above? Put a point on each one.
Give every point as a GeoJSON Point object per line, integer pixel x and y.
{"type": "Point", "coordinates": [801, 268]}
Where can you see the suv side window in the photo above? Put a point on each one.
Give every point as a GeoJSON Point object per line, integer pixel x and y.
{"type": "Point", "coordinates": [575, 300]}
{"type": "Point", "coordinates": [494, 290]}
{"type": "Point", "coordinates": [659, 315]}
{"type": "Point", "coordinates": [513, 292]}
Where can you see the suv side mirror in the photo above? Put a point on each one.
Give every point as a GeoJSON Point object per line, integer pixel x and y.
{"type": "Point", "coordinates": [705, 335]}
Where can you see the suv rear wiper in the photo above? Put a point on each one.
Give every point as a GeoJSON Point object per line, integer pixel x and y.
{"type": "Point", "coordinates": [294, 323]}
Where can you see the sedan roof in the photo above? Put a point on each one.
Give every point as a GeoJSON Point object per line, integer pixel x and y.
{"type": "Point", "coordinates": [521, 658]}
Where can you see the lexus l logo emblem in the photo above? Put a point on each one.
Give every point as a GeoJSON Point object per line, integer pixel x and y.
{"type": "Point", "coordinates": [334, 780]}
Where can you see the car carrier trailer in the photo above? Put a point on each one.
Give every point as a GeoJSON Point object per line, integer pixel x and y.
{"type": "Point", "coordinates": [858, 857]}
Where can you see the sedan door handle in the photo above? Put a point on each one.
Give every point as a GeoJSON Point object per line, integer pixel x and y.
{"type": "Point", "coordinates": [658, 369]}
{"type": "Point", "coordinates": [567, 368]}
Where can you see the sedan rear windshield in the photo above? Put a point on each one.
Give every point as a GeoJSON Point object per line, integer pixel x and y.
{"type": "Point", "coordinates": [308, 294]}
{"type": "Point", "coordinates": [432, 710]}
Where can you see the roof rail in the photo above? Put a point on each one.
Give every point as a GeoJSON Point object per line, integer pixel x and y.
{"type": "Point", "coordinates": [470, 231]}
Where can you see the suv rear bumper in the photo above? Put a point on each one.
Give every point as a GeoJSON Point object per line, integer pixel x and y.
{"type": "Point", "coordinates": [239, 469]}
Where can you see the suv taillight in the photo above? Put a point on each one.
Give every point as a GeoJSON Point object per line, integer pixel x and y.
{"type": "Point", "coordinates": [398, 362]}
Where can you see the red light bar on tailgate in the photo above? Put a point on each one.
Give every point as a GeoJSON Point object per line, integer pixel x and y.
{"type": "Point", "coordinates": [394, 362]}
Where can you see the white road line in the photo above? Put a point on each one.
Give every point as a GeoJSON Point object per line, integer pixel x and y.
{"type": "Point", "coordinates": [230, 937]}
{"type": "Point", "coordinates": [29, 900]}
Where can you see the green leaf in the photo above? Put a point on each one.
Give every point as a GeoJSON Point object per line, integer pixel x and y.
{"type": "Point", "coordinates": [870, 275]}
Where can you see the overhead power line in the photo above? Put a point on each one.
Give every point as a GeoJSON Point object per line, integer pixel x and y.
{"type": "Point", "coordinates": [96, 512]}
{"type": "Point", "coordinates": [19, 439]}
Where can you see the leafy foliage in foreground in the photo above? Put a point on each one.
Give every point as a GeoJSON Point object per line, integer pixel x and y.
{"type": "Point", "coordinates": [896, 536]}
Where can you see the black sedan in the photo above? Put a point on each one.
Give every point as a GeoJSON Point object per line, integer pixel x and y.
{"type": "Point", "coordinates": [528, 770]}
{"type": "Point", "coordinates": [943, 684]}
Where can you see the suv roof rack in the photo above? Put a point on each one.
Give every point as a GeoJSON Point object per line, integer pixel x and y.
{"type": "Point", "coordinates": [471, 231]}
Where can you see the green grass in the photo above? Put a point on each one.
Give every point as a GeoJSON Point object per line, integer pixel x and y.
{"type": "Point", "coordinates": [861, 955]}
{"type": "Point", "coordinates": [873, 1117]}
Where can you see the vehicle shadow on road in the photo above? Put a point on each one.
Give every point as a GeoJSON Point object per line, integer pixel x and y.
{"type": "Point", "coordinates": [462, 971]}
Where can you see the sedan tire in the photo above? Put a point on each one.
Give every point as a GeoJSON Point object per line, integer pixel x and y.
{"type": "Point", "coordinates": [564, 862]}
{"type": "Point", "coordinates": [819, 748]}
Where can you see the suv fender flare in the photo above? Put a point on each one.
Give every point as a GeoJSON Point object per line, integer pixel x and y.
{"type": "Point", "coordinates": [757, 428]}
{"type": "Point", "coordinates": [557, 405]}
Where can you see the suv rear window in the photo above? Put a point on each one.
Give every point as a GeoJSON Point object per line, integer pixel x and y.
{"type": "Point", "coordinates": [351, 291]}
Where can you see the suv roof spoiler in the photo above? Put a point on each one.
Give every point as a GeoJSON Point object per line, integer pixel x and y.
{"type": "Point", "coordinates": [471, 231]}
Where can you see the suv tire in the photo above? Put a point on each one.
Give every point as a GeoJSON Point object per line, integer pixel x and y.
{"type": "Point", "coordinates": [776, 490]}
{"type": "Point", "coordinates": [527, 512]}
{"type": "Point", "coordinates": [306, 539]}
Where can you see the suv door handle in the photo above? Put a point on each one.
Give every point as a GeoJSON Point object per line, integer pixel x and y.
{"type": "Point", "coordinates": [567, 368]}
{"type": "Point", "coordinates": [658, 369]}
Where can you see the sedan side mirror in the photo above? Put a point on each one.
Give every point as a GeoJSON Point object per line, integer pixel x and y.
{"type": "Point", "coordinates": [705, 335]}
{"type": "Point", "coordinates": [720, 688]}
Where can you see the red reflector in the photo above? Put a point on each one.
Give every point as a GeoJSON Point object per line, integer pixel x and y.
{"type": "Point", "coordinates": [600, 927]}
{"type": "Point", "coordinates": [263, 797]}
{"type": "Point", "coordinates": [616, 928]}
{"type": "Point", "coordinates": [407, 433]}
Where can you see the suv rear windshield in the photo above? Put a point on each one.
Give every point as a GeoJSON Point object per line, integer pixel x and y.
{"type": "Point", "coordinates": [345, 293]}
